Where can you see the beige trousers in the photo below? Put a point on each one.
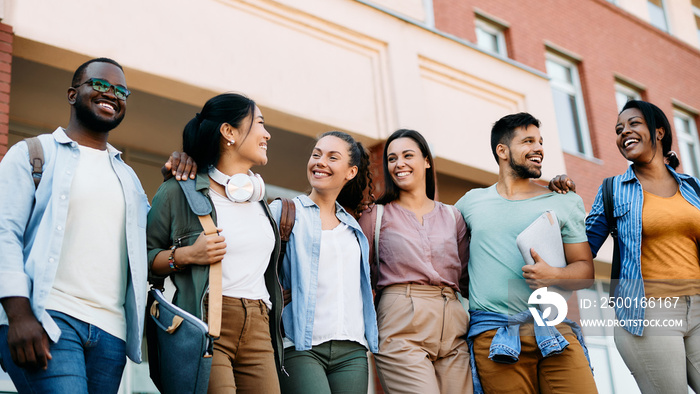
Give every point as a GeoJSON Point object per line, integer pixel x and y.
{"type": "Point", "coordinates": [244, 361]}
{"type": "Point", "coordinates": [422, 347]}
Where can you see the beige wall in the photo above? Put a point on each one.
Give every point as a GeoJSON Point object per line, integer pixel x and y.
{"type": "Point", "coordinates": [312, 66]}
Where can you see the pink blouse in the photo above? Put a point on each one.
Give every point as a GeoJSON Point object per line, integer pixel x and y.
{"type": "Point", "coordinates": [433, 253]}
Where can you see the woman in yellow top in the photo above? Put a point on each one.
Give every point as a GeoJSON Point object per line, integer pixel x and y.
{"type": "Point", "coordinates": [657, 210]}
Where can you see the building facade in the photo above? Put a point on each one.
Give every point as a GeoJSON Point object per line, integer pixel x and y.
{"type": "Point", "coordinates": [448, 68]}
{"type": "Point", "coordinates": [598, 54]}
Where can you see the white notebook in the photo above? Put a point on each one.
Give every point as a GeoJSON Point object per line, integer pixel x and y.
{"type": "Point", "coordinates": [544, 236]}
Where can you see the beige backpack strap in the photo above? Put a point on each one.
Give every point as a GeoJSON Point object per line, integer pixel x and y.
{"type": "Point", "coordinates": [377, 228]}
{"type": "Point", "coordinates": [215, 292]}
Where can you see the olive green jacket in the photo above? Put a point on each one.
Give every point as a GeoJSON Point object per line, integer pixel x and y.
{"type": "Point", "coordinates": [172, 222]}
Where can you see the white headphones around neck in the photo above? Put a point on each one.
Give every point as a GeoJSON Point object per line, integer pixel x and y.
{"type": "Point", "coordinates": [240, 187]}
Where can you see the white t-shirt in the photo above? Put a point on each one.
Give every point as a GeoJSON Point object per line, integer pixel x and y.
{"type": "Point", "coordinates": [338, 313]}
{"type": "Point", "coordinates": [90, 283]}
{"type": "Point", "coordinates": [250, 241]}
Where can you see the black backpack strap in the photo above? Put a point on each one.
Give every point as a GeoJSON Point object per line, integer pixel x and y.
{"type": "Point", "coordinates": [608, 192]}
{"type": "Point", "coordinates": [36, 158]}
{"type": "Point", "coordinates": [695, 186]}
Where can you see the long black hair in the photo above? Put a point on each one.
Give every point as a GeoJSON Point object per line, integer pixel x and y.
{"type": "Point", "coordinates": [201, 138]}
{"type": "Point", "coordinates": [656, 119]}
{"type": "Point", "coordinates": [391, 190]}
{"type": "Point", "coordinates": [352, 195]}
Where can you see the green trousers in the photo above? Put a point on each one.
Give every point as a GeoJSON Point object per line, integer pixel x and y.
{"type": "Point", "coordinates": [338, 367]}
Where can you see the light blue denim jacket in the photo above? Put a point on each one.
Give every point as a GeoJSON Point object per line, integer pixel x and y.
{"type": "Point", "coordinates": [628, 200]}
{"type": "Point", "coordinates": [300, 266]}
{"type": "Point", "coordinates": [505, 346]}
{"type": "Point", "coordinates": [31, 233]}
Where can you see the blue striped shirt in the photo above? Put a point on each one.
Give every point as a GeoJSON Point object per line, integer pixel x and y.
{"type": "Point", "coordinates": [628, 200]}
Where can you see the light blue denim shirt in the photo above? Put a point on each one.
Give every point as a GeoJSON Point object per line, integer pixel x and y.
{"type": "Point", "coordinates": [31, 233]}
{"type": "Point", "coordinates": [628, 200]}
{"type": "Point", "coordinates": [505, 345]}
{"type": "Point", "coordinates": [300, 266]}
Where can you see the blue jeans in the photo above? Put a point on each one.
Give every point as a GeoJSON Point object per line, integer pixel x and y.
{"type": "Point", "coordinates": [85, 359]}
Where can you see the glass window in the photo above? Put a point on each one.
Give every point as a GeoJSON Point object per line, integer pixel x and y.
{"type": "Point", "coordinates": [688, 144]}
{"type": "Point", "coordinates": [657, 14]}
{"type": "Point", "coordinates": [568, 105]}
{"type": "Point", "coordinates": [490, 37]}
{"type": "Point", "coordinates": [623, 94]}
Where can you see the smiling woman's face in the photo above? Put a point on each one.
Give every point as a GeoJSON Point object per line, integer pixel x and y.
{"type": "Point", "coordinates": [633, 136]}
{"type": "Point", "coordinates": [406, 163]}
{"type": "Point", "coordinates": [329, 165]}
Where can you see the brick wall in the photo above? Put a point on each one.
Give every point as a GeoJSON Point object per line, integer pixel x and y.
{"type": "Point", "coordinates": [609, 42]}
{"type": "Point", "coordinates": [5, 73]}
{"type": "Point", "coordinates": [375, 158]}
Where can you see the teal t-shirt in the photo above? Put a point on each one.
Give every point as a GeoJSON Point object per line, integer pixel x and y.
{"type": "Point", "coordinates": [496, 281]}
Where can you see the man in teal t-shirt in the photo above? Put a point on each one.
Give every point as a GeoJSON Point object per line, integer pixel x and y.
{"type": "Point", "coordinates": [501, 282]}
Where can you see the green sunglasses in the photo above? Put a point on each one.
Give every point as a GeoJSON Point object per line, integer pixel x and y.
{"type": "Point", "coordinates": [103, 86]}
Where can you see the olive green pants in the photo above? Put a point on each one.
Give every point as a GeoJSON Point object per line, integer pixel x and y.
{"type": "Point", "coordinates": [338, 367]}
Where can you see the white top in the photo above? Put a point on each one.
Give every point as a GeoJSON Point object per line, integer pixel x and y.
{"type": "Point", "coordinates": [90, 283]}
{"type": "Point", "coordinates": [250, 241]}
{"type": "Point", "coordinates": [338, 313]}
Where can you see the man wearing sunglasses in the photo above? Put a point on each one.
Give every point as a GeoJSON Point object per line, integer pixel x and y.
{"type": "Point", "coordinates": [73, 264]}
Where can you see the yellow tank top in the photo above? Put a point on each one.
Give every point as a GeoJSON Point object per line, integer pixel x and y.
{"type": "Point", "coordinates": [670, 235]}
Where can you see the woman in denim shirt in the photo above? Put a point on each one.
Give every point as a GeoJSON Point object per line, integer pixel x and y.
{"type": "Point", "coordinates": [658, 216]}
{"type": "Point", "coordinates": [330, 322]}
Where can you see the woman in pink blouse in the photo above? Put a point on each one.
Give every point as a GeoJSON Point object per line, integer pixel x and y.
{"type": "Point", "coordinates": [420, 267]}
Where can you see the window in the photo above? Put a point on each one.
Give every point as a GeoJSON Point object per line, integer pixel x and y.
{"type": "Point", "coordinates": [696, 11]}
{"type": "Point", "coordinates": [490, 37]}
{"type": "Point", "coordinates": [657, 14]}
{"type": "Point", "coordinates": [625, 93]}
{"type": "Point", "coordinates": [568, 105]}
{"type": "Point", "coordinates": [688, 143]}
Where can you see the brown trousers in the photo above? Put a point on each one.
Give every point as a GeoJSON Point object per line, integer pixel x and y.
{"type": "Point", "coordinates": [244, 361]}
{"type": "Point", "coordinates": [421, 341]}
{"type": "Point", "coordinates": [566, 372]}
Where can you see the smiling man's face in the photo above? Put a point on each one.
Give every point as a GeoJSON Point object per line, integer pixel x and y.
{"type": "Point", "coordinates": [100, 111]}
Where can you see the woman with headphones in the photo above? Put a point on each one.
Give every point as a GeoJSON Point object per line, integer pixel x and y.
{"type": "Point", "coordinates": [226, 139]}
{"type": "Point", "coordinates": [330, 323]}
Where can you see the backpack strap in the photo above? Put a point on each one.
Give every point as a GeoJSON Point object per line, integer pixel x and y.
{"type": "Point", "coordinates": [287, 217]}
{"type": "Point", "coordinates": [608, 193]}
{"type": "Point", "coordinates": [695, 186]}
{"type": "Point", "coordinates": [377, 228]}
{"type": "Point", "coordinates": [36, 158]}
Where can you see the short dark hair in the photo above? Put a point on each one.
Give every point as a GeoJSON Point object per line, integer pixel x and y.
{"type": "Point", "coordinates": [391, 190]}
{"type": "Point", "coordinates": [201, 138]}
{"type": "Point", "coordinates": [80, 71]}
{"type": "Point", "coordinates": [352, 194]}
{"type": "Point", "coordinates": [503, 130]}
{"type": "Point", "coordinates": [655, 119]}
